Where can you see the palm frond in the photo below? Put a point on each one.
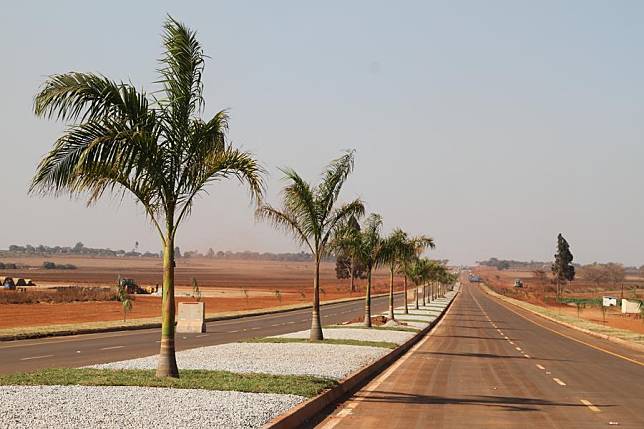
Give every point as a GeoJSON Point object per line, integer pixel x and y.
{"type": "Point", "coordinates": [334, 177]}
{"type": "Point", "coordinates": [285, 222]}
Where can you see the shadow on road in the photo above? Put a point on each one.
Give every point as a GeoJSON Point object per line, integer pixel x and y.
{"type": "Point", "coordinates": [508, 403]}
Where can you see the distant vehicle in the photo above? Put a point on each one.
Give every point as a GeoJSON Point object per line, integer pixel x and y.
{"type": "Point", "coordinates": [518, 283]}
{"type": "Point", "coordinates": [474, 278]}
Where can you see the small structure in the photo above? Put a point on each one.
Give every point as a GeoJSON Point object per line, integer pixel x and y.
{"type": "Point", "coordinates": [630, 306]}
{"type": "Point", "coordinates": [192, 317]}
{"type": "Point", "coordinates": [19, 281]}
{"type": "Point", "coordinates": [518, 283]}
{"type": "Point", "coordinates": [609, 301]}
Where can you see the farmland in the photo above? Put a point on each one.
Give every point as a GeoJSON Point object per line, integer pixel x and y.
{"type": "Point", "coordinates": [225, 285]}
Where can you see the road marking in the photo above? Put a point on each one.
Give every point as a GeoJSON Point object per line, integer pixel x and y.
{"type": "Point", "coordinates": [201, 336]}
{"type": "Point", "coordinates": [276, 324]}
{"type": "Point", "coordinates": [559, 382]}
{"type": "Point", "coordinates": [528, 356]}
{"type": "Point", "coordinates": [518, 348]}
{"type": "Point", "coordinates": [232, 332]}
{"type": "Point", "coordinates": [78, 351]}
{"type": "Point", "coordinates": [36, 357]}
{"type": "Point", "coordinates": [511, 342]}
{"type": "Point", "coordinates": [589, 405]}
{"type": "Point", "coordinates": [540, 366]}
{"type": "Point", "coordinates": [506, 306]}
{"type": "Point", "coordinates": [112, 348]}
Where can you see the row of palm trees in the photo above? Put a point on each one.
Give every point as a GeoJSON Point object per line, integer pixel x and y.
{"type": "Point", "coordinates": [156, 147]}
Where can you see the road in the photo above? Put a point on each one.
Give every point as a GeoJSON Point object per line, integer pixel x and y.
{"type": "Point", "coordinates": [489, 365]}
{"type": "Point", "coordinates": [88, 349]}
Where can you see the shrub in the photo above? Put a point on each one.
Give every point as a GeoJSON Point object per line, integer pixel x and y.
{"type": "Point", "coordinates": [48, 265]}
{"type": "Point", "coordinates": [58, 295]}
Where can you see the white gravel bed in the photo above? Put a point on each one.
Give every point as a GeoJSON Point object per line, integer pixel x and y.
{"type": "Point", "coordinates": [418, 325]}
{"type": "Point", "coordinates": [320, 360]}
{"type": "Point", "coordinates": [360, 325]}
{"type": "Point", "coordinates": [397, 337]}
{"type": "Point", "coordinates": [82, 407]}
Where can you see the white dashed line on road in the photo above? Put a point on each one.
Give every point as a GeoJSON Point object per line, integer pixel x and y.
{"type": "Point", "coordinates": [518, 348]}
{"type": "Point", "coordinates": [540, 366]}
{"type": "Point", "coordinates": [589, 405]}
{"type": "Point", "coordinates": [37, 357]}
{"type": "Point", "coordinates": [112, 348]}
{"type": "Point", "coordinates": [559, 382]}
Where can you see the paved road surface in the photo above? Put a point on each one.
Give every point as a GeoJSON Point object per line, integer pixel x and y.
{"type": "Point", "coordinates": [88, 349]}
{"type": "Point", "coordinates": [467, 374]}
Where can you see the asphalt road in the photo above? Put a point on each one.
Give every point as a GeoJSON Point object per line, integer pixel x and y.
{"type": "Point", "coordinates": [467, 374]}
{"type": "Point", "coordinates": [88, 349]}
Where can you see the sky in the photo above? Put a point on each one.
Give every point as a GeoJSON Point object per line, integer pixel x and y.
{"type": "Point", "coordinates": [491, 126]}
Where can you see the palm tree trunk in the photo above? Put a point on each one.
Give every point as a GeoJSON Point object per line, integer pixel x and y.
{"type": "Point", "coordinates": [417, 297]}
{"type": "Point", "coordinates": [353, 285]}
{"type": "Point", "coordinates": [367, 301]}
{"type": "Point", "coordinates": [406, 308]}
{"type": "Point", "coordinates": [424, 295]}
{"type": "Point", "coordinates": [167, 365]}
{"type": "Point", "coordinates": [316, 325]}
{"type": "Point", "coordinates": [391, 295]}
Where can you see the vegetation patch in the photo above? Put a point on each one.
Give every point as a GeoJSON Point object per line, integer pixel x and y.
{"type": "Point", "coordinates": [59, 295]}
{"type": "Point", "coordinates": [189, 379]}
{"type": "Point", "coordinates": [383, 344]}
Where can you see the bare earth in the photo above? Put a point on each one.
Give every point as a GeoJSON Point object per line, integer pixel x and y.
{"type": "Point", "coordinates": [502, 281]}
{"type": "Point", "coordinates": [222, 283]}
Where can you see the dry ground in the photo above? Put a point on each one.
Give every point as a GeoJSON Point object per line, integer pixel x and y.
{"type": "Point", "coordinates": [222, 283]}
{"type": "Point", "coordinates": [503, 282]}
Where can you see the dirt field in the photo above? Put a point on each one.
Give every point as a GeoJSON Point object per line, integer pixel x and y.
{"type": "Point", "coordinates": [535, 292]}
{"type": "Point", "coordinates": [226, 285]}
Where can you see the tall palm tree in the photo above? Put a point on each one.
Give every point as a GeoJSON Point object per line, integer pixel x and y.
{"type": "Point", "coordinates": [369, 250]}
{"type": "Point", "coordinates": [123, 140]}
{"type": "Point", "coordinates": [310, 214]}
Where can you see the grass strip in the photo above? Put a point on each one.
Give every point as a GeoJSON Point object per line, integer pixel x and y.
{"type": "Point", "coordinates": [381, 328]}
{"type": "Point", "coordinates": [383, 344]}
{"type": "Point", "coordinates": [307, 386]}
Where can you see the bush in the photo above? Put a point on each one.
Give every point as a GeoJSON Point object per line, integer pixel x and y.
{"type": "Point", "coordinates": [48, 265]}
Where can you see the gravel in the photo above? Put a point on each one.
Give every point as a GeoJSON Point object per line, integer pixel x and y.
{"type": "Point", "coordinates": [397, 337]}
{"type": "Point", "coordinates": [320, 360]}
{"type": "Point", "coordinates": [136, 407]}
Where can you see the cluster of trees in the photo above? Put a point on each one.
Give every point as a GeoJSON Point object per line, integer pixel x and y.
{"type": "Point", "coordinates": [158, 149]}
{"type": "Point", "coordinates": [252, 256]}
{"type": "Point", "coordinates": [48, 265]}
{"type": "Point", "coordinates": [9, 266]}
{"type": "Point", "coordinates": [78, 249]}
{"type": "Point", "coordinates": [603, 273]}
{"type": "Point", "coordinates": [504, 264]}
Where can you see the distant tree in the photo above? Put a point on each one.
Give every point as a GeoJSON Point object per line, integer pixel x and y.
{"type": "Point", "coordinates": [196, 292]}
{"type": "Point", "coordinates": [78, 247]}
{"type": "Point", "coordinates": [562, 268]}
{"type": "Point", "coordinates": [344, 245]}
{"type": "Point", "coordinates": [125, 299]}
{"type": "Point", "coordinates": [210, 253]}
{"type": "Point", "coordinates": [177, 252]}
{"type": "Point", "coordinates": [503, 265]}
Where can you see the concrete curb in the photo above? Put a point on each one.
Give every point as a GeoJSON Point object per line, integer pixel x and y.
{"type": "Point", "coordinates": [613, 339]}
{"type": "Point", "coordinates": [240, 315]}
{"type": "Point", "coordinates": [300, 414]}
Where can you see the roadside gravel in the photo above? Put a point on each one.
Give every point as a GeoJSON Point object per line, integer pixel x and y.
{"type": "Point", "coordinates": [397, 337]}
{"type": "Point", "coordinates": [136, 407]}
{"type": "Point", "coordinates": [320, 360]}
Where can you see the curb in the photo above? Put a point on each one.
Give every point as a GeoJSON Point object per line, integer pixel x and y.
{"type": "Point", "coordinates": [304, 412]}
{"type": "Point", "coordinates": [151, 325]}
{"type": "Point", "coordinates": [613, 339]}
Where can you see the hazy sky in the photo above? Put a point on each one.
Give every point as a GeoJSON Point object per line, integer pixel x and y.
{"type": "Point", "coordinates": [491, 126]}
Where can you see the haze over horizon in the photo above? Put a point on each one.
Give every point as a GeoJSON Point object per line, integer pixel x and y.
{"type": "Point", "coordinates": [490, 126]}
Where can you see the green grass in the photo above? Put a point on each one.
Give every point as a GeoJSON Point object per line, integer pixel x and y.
{"type": "Point", "coordinates": [383, 344]}
{"type": "Point", "coordinates": [190, 379]}
{"type": "Point", "coordinates": [383, 328]}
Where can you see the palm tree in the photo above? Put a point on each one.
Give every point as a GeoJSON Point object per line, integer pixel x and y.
{"type": "Point", "coordinates": [418, 270]}
{"type": "Point", "coordinates": [417, 245]}
{"type": "Point", "coordinates": [310, 214]}
{"type": "Point", "coordinates": [396, 248]}
{"type": "Point", "coordinates": [369, 250]}
{"type": "Point", "coordinates": [345, 243]}
{"type": "Point", "coordinates": [155, 147]}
